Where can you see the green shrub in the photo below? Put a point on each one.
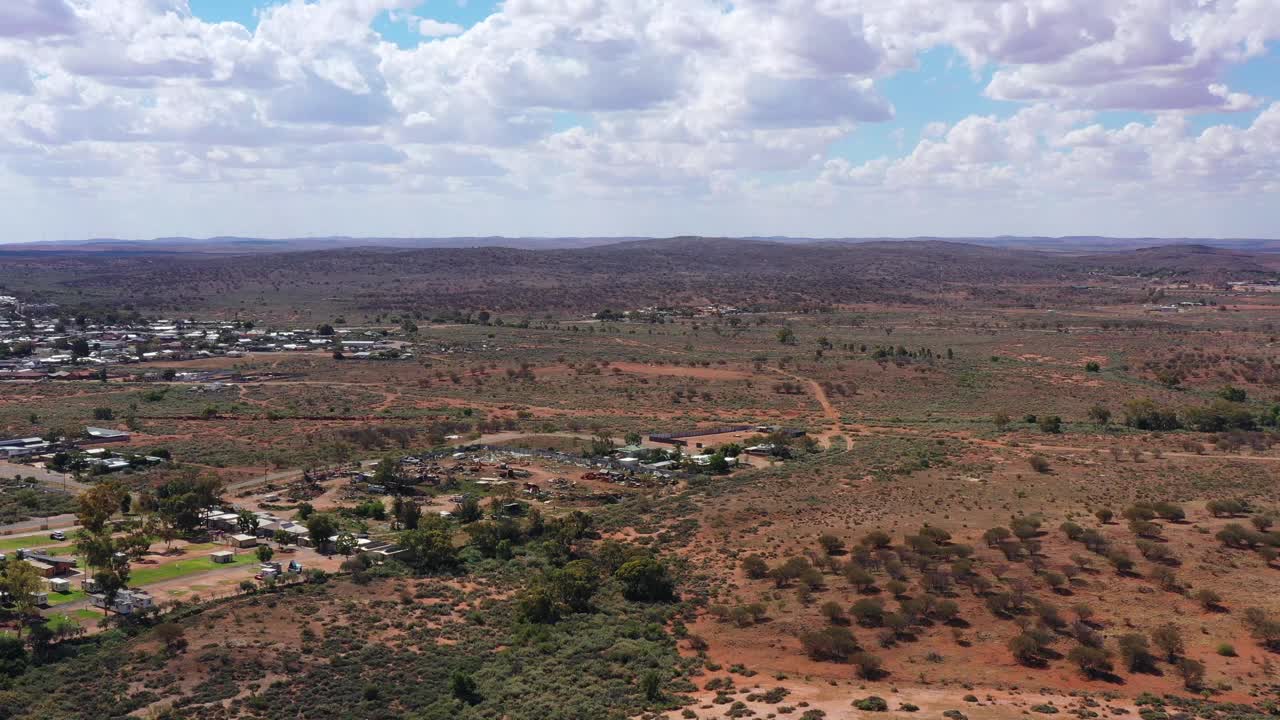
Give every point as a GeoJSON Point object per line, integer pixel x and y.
{"type": "Point", "coordinates": [872, 704]}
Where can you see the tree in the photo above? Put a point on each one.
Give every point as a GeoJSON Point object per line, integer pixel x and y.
{"type": "Point", "coordinates": [1136, 652]}
{"type": "Point", "coordinates": [651, 685]}
{"type": "Point", "coordinates": [20, 582]}
{"type": "Point", "coordinates": [345, 543]}
{"type": "Point", "coordinates": [787, 336]}
{"type": "Point", "coordinates": [876, 539]}
{"type": "Point", "coordinates": [1168, 639]}
{"type": "Point", "coordinates": [13, 657]}
{"type": "Point", "coordinates": [789, 571]}
{"type": "Point", "coordinates": [832, 644]}
{"type": "Point", "coordinates": [321, 527]}
{"type": "Point", "coordinates": [869, 666]}
{"type": "Point", "coordinates": [1225, 508]}
{"type": "Point", "coordinates": [110, 564]}
{"type": "Point", "coordinates": [537, 604]}
{"type": "Point", "coordinates": [409, 515]}
{"type": "Point", "coordinates": [172, 635]}
{"type": "Point", "coordinates": [430, 546]}
{"type": "Point", "coordinates": [264, 553]}
{"type": "Point", "coordinates": [1144, 414]}
{"type": "Point", "coordinates": [387, 474]}
{"type": "Point", "coordinates": [1027, 649]}
{"type": "Point", "coordinates": [575, 584]}
{"type": "Point", "coordinates": [182, 500]}
{"type": "Point", "coordinates": [859, 577]}
{"type": "Point", "coordinates": [247, 522]}
{"type": "Point", "coordinates": [869, 612]}
{"type": "Point", "coordinates": [1100, 415]}
{"type": "Point", "coordinates": [95, 506]}
{"type": "Point", "coordinates": [1208, 599]}
{"type": "Point", "coordinates": [755, 567]}
{"type": "Point", "coordinates": [463, 687]}
{"type": "Point", "coordinates": [137, 541]}
{"type": "Point", "coordinates": [1091, 661]}
{"type": "Point", "coordinates": [996, 535]}
{"type": "Point", "coordinates": [1001, 420]}
{"type": "Point", "coordinates": [831, 544]}
{"type": "Point", "coordinates": [1192, 673]}
{"type": "Point", "coordinates": [1050, 424]}
{"type": "Point", "coordinates": [468, 511]}
{"type": "Point", "coordinates": [1233, 394]}
{"type": "Point", "coordinates": [833, 612]}
{"type": "Point", "coordinates": [645, 579]}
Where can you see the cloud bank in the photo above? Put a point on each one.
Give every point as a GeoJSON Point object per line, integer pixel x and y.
{"type": "Point", "coordinates": [632, 116]}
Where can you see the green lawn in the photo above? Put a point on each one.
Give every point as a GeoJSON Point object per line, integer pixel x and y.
{"type": "Point", "coordinates": [42, 541]}
{"type": "Point", "coordinates": [57, 598]}
{"type": "Point", "coordinates": [152, 574]}
{"type": "Point", "coordinates": [182, 568]}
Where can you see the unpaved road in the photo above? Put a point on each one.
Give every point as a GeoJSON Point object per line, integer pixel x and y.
{"type": "Point", "coordinates": [48, 478]}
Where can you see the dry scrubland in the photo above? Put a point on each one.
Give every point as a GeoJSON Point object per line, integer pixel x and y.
{"type": "Point", "coordinates": [791, 604]}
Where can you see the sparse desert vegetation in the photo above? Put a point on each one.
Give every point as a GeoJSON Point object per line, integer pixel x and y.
{"type": "Point", "coordinates": [926, 501]}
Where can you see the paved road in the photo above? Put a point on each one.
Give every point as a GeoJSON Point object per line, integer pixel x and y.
{"type": "Point", "coordinates": [38, 526]}
{"type": "Point", "coordinates": [50, 479]}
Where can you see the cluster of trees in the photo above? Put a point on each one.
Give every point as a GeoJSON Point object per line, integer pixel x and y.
{"type": "Point", "coordinates": [1218, 416]}
{"type": "Point", "coordinates": [172, 510]}
{"type": "Point", "coordinates": [1138, 652]}
{"type": "Point", "coordinates": [105, 554]}
{"type": "Point", "coordinates": [837, 644]}
{"type": "Point", "coordinates": [18, 349]}
{"type": "Point", "coordinates": [1261, 537]}
{"type": "Point", "coordinates": [1264, 626]}
{"type": "Point", "coordinates": [1221, 415]}
{"type": "Point", "coordinates": [1047, 423]}
{"type": "Point", "coordinates": [885, 352]}
{"type": "Point", "coordinates": [576, 570]}
{"type": "Point", "coordinates": [571, 587]}
{"type": "Point", "coordinates": [18, 583]}
{"type": "Point", "coordinates": [1033, 644]}
{"type": "Point", "coordinates": [941, 566]}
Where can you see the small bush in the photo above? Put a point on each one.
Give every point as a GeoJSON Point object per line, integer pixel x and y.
{"type": "Point", "coordinates": [872, 704]}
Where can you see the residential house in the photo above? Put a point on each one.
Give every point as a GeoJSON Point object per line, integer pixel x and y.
{"type": "Point", "coordinates": [126, 602]}
{"type": "Point", "coordinates": [105, 435]}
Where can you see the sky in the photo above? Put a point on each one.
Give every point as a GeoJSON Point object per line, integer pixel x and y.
{"type": "Point", "coordinates": [824, 118]}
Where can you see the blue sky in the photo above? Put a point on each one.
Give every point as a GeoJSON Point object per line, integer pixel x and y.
{"type": "Point", "coordinates": [461, 12]}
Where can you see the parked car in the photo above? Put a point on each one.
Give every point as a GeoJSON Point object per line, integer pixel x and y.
{"type": "Point", "coordinates": [57, 535]}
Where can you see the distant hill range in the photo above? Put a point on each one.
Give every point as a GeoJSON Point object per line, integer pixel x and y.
{"type": "Point", "coordinates": [577, 274]}
{"type": "Point", "coordinates": [245, 245]}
